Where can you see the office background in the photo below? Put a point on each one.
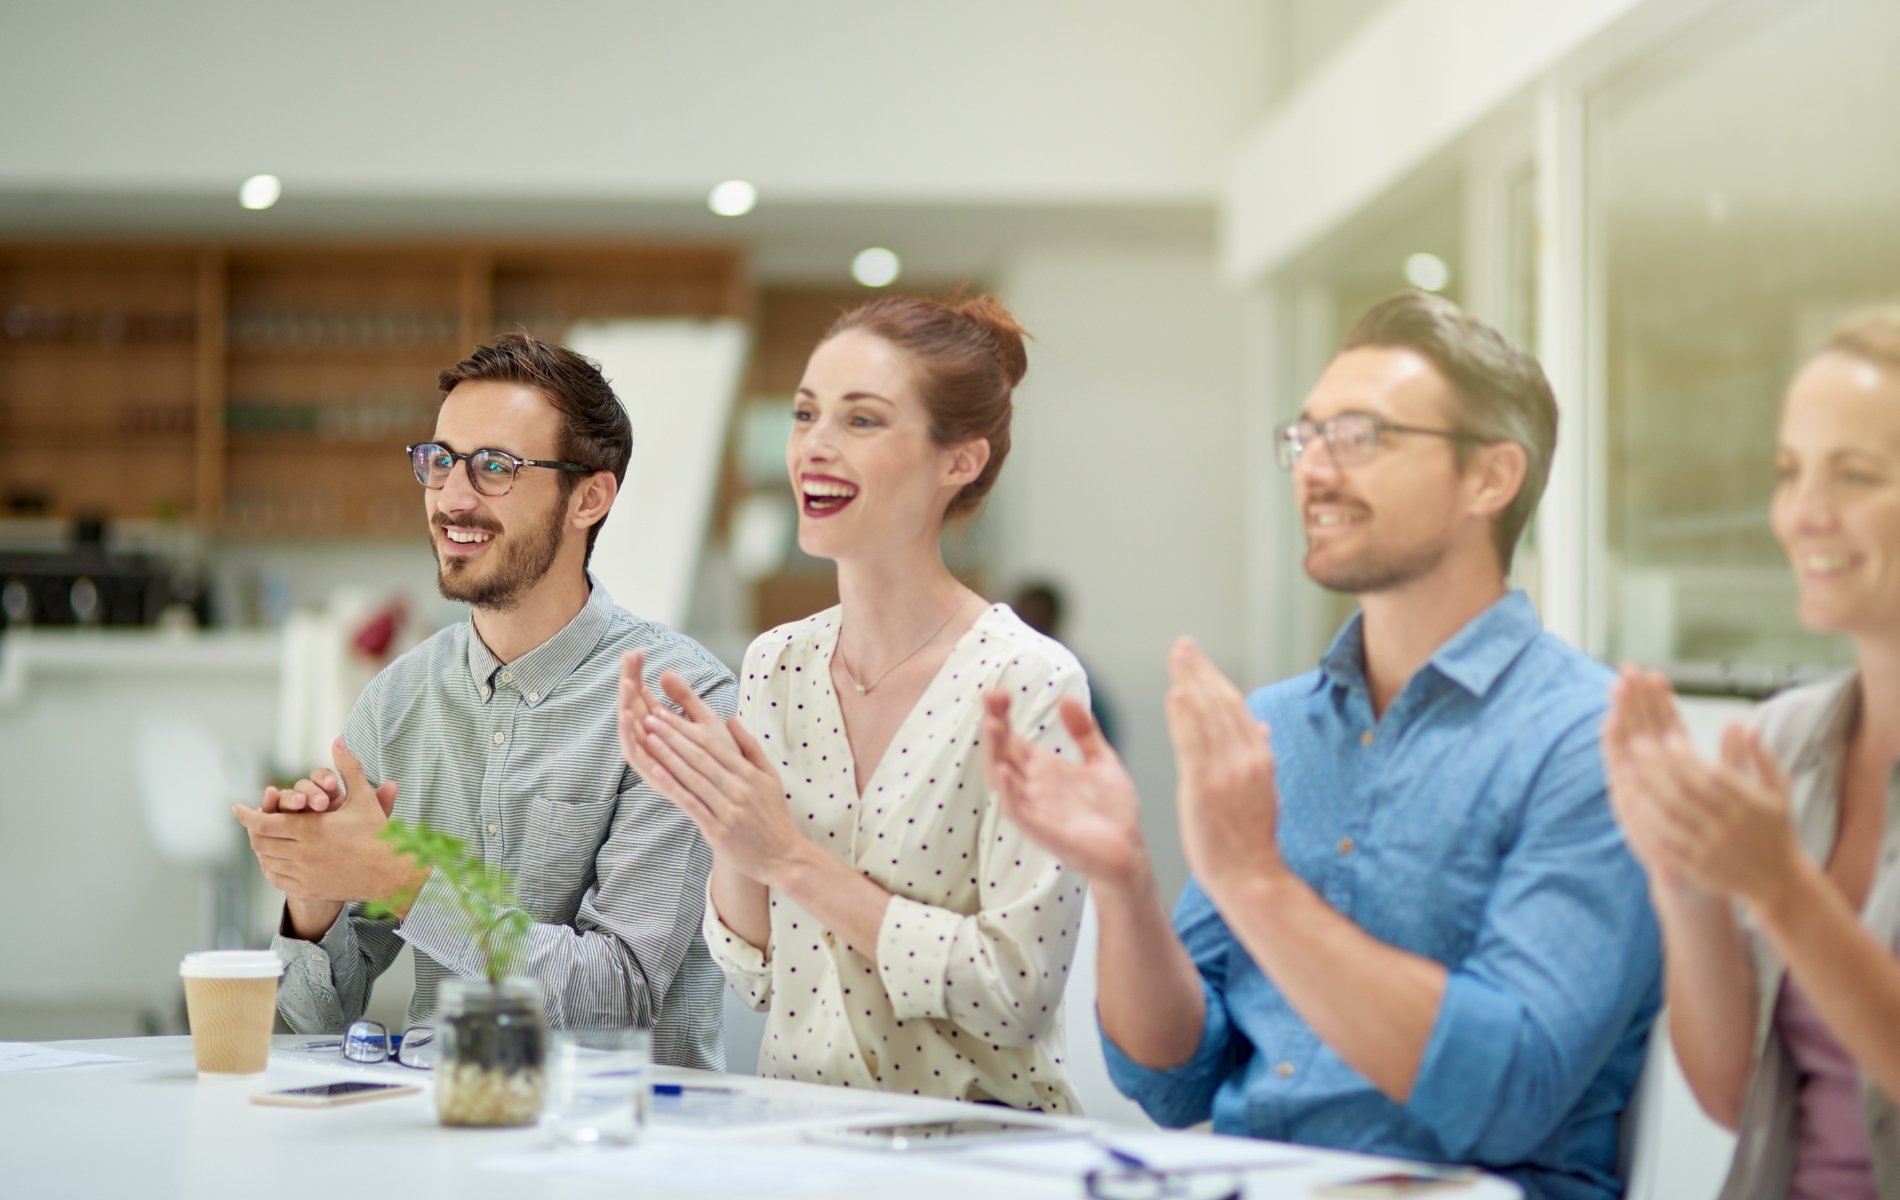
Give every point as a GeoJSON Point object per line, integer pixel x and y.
{"type": "Point", "coordinates": [1669, 200]}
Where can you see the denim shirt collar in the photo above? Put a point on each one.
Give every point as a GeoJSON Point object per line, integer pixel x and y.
{"type": "Point", "coordinates": [536, 673]}
{"type": "Point", "coordinates": [1473, 658]}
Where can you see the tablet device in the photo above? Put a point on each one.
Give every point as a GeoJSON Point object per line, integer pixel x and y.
{"type": "Point", "coordinates": [951, 1134]}
{"type": "Point", "coordinates": [329, 1095]}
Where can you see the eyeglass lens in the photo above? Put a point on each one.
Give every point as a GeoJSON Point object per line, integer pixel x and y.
{"type": "Point", "coordinates": [366, 1042]}
{"type": "Point", "coordinates": [1351, 438]}
{"type": "Point", "coordinates": [492, 472]}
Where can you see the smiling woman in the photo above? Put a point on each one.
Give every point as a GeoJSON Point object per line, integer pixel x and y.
{"type": "Point", "coordinates": [864, 876]}
{"type": "Point", "coordinates": [1785, 1021]}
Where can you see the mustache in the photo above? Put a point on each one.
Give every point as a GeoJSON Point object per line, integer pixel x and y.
{"type": "Point", "coordinates": [1313, 498]}
{"type": "Point", "coordinates": [481, 524]}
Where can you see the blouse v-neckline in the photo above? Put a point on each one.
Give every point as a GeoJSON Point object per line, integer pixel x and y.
{"type": "Point", "coordinates": [861, 788]}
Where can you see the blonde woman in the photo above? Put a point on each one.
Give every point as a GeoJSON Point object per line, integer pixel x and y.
{"type": "Point", "coordinates": [1775, 870]}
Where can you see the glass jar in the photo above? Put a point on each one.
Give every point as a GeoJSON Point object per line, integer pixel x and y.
{"type": "Point", "coordinates": [491, 1053]}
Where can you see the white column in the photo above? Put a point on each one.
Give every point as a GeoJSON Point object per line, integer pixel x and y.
{"type": "Point", "coordinates": [1570, 520]}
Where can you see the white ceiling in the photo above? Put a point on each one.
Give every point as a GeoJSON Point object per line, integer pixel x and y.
{"type": "Point", "coordinates": [950, 133]}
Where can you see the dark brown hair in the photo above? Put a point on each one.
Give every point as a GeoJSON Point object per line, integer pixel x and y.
{"type": "Point", "coordinates": [968, 357]}
{"type": "Point", "coordinates": [1502, 392]}
{"type": "Point", "coordinates": [595, 431]}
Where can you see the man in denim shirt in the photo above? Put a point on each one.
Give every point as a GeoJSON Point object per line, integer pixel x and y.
{"type": "Point", "coordinates": [1414, 929]}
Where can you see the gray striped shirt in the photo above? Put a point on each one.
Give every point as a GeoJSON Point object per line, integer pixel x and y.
{"type": "Point", "coordinates": [521, 761]}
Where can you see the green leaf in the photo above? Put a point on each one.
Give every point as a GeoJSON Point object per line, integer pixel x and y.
{"type": "Point", "coordinates": [484, 893]}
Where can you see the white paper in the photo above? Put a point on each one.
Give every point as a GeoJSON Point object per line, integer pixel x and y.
{"type": "Point", "coordinates": [1163, 1151]}
{"type": "Point", "coordinates": [738, 1169]}
{"type": "Point", "coordinates": [699, 1110]}
{"type": "Point", "coordinates": [27, 1056]}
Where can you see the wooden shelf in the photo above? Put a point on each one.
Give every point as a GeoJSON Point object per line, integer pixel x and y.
{"type": "Point", "coordinates": [341, 343]}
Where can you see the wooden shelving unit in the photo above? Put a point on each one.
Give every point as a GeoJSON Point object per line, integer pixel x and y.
{"type": "Point", "coordinates": [267, 390]}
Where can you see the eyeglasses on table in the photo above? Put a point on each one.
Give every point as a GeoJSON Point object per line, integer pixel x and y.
{"type": "Point", "coordinates": [367, 1041]}
{"type": "Point", "coordinates": [1158, 1183]}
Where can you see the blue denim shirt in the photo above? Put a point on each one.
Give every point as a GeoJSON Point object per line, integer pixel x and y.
{"type": "Point", "coordinates": [1470, 826]}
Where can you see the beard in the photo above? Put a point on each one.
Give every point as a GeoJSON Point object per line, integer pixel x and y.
{"type": "Point", "coordinates": [517, 564]}
{"type": "Point", "coordinates": [1379, 569]}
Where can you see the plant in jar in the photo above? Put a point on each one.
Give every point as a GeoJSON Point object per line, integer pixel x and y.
{"type": "Point", "coordinates": [491, 1040]}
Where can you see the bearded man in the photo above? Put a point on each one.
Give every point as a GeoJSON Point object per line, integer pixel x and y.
{"type": "Point", "coordinates": [500, 730]}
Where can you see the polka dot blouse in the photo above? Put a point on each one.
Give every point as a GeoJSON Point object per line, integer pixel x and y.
{"type": "Point", "coordinates": [965, 998]}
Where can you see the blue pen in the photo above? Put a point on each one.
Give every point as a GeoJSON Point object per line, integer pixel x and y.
{"type": "Point", "coordinates": [1123, 1158]}
{"type": "Point", "coordinates": [680, 1089]}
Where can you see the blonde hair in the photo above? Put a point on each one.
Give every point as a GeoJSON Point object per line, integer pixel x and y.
{"type": "Point", "coordinates": [1872, 336]}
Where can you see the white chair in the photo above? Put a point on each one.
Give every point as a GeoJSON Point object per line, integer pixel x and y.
{"type": "Point", "coordinates": [743, 1030]}
{"type": "Point", "coordinates": [188, 778]}
{"type": "Point", "coordinates": [1083, 1059]}
{"type": "Point", "coordinates": [1670, 1150]}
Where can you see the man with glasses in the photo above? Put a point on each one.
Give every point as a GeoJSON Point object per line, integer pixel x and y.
{"type": "Point", "coordinates": [1413, 928]}
{"type": "Point", "coordinates": [500, 731]}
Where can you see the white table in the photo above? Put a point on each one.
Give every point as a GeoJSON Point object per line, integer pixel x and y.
{"type": "Point", "coordinates": [151, 1128]}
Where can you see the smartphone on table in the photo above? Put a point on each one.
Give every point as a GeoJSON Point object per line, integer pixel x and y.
{"type": "Point", "coordinates": [329, 1095]}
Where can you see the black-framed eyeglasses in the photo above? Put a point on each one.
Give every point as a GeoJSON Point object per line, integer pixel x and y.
{"type": "Point", "coordinates": [367, 1041]}
{"type": "Point", "coordinates": [1155, 1183]}
{"type": "Point", "coordinates": [1351, 438]}
{"type": "Point", "coordinates": [490, 472]}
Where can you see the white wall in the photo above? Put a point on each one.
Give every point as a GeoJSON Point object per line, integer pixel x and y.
{"type": "Point", "coordinates": [100, 917]}
{"type": "Point", "coordinates": [1125, 479]}
{"type": "Point", "coordinates": [1060, 99]}
{"type": "Point", "coordinates": [1416, 75]}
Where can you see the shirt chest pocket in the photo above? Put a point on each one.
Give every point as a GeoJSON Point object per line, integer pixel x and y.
{"type": "Point", "coordinates": [1444, 870]}
{"type": "Point", "coordinates": [557, 857]}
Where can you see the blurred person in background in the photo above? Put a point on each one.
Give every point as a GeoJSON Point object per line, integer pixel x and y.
{"type": "Point", "coordinates": [867, 889]}
{"type": "Point", "coordinates": [1413, 929]}
{"type": "Point", "coordinates": [1041, 605]}
{"type": "Point", "coordinates": [1775, 868]}
{"type": "Point", "coordinates": [499, 731]}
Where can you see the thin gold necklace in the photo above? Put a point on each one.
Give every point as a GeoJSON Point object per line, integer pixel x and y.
{"type": "Point", "coordinates": [863, 688]}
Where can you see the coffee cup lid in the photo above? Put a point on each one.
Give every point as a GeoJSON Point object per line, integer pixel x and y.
{"type": "Point", "coordinates": [231, 964]}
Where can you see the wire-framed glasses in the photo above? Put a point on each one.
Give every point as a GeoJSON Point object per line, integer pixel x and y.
{"type": "Point", "coordinates": [1352, 438]}
{"type": "Point", "coordinates": [490, 472]}
{"type": "Point", "coordinates": [1155, 1183]}
{"type": "Point", "coordinates": [368, 1041]}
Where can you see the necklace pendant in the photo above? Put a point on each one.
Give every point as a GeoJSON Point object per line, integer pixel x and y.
{"type": "Point", "coordinates": [861, 688]}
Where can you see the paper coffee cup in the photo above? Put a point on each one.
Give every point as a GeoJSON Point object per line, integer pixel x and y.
{"type": "Point", "coordinates": [231, 998]}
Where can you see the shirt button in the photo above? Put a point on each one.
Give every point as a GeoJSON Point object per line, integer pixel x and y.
{"type": "Point", "coordinates": [500, 737]}
{"type": "Point", "coordinates": [507, 676]}
{"type": "Point", "coordinates": [494, 831]}
{"type": "Point", "coordinates": [1283, 1070]}
{"type": "Point", "coordinates": [1365, 739]}
{"type": "Point", "coordinates": [1345, 845]}
{"type": "Point", "coordinates": [534, 697]}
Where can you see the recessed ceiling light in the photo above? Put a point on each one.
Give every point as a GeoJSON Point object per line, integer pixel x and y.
{"type": "Point", "coordinates": [733, 198]}
{"type": "Point", "coordinates": [260, 191]}
{"type": "Point", "coordinates": [1427, 271]}
{"type": "Point", "coordinates": [875, 267]}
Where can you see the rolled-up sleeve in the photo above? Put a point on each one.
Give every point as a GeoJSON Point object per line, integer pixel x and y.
{"type": "Point", "coordinates": [998, 972]}
{"type": "Point", "coordinates": [1184, 1094]}
{"type": "Point", "coordinates": [326, 983]}
{"type": "Point", "coordinates": [746, 968]}
{"type": "Point", "coordinates": [1566, 961]}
